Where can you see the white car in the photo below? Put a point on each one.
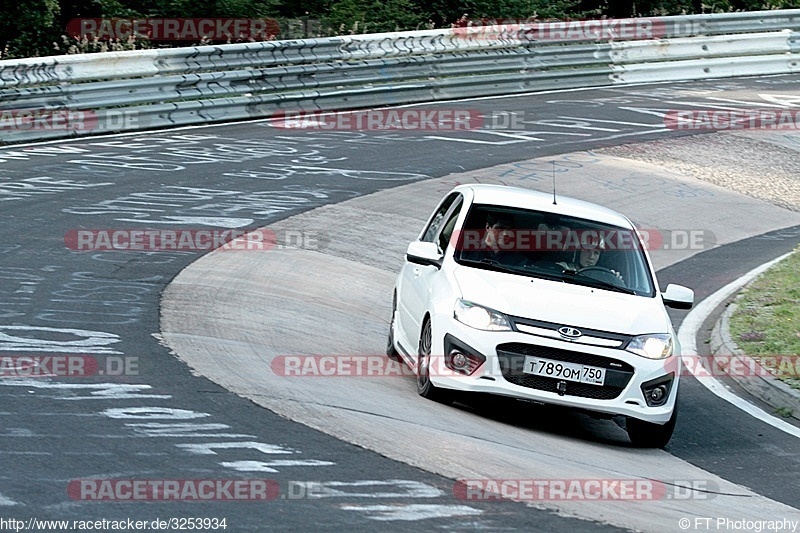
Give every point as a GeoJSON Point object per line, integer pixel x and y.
{"type": "Point", "coordinates": [523, 294]}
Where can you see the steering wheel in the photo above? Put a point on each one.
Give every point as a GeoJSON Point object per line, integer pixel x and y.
{"type": "Point", "coordinates": [595, 269]}
{"type": "Point", "coordinates": [606, 274]}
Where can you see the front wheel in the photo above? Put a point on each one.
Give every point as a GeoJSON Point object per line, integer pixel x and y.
{"type": "Point", "coordinates": [425, 388]}
{"type": "Point", "coordinates": [391, 351]}
{"type": "Point", "coordinates": [649, 435]}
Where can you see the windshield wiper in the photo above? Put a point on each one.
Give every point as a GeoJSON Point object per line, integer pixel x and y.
{"type": "Point", "coordinates": [494, 264]}
{"type": "Point", "coordinates": [613, 287]}
{"type": "Point", "coordinates": [594, 282]}
{"type": "Point", "coordinates": [599, 283]}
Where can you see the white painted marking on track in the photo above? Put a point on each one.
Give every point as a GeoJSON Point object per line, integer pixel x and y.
{"type": "Point", "coordinates": [411, 512]}
{"type": "Point", "coordinates": [606, 121]}
{"type": "Point", "coordinates": [782, 100]}
{"type": "Point", "coordinates": [627, 134]}
{"type": "Point", "coordinates": [647, 111]}
{"type": "Point", "coordinates": [7, 501]}
{"type": "Point", "coordinates": [207, 448]}
{"type": "Point", "coordinates": [705, 106]}
{"type": "Point", "coordinates": [513, 134]}
{"type": "Point", "coordinates": [609, 87]}
{"type": "Point", "coordinates": [687, 335]}
{"type": "Point", "coordinates": [390, 488]}
{"type": "Point", "coordinates": [554, 123]}
{"type": "Point", "coordinates": [478, 141]}
{"type": "Point", "coordinates": [749, 103]}
{"type": "Point", "coordinates": [267, 466]}
{"type": "Point", "coordinates": [183, 430]}
{"type": "Point", "coordinates": [14, 338]}
{"type": "Point", "coordinates": [102, 391]}
{"type": "Point", "coordinates": [147, 413]}
{"type": "Point", "coordinates": [222, 222]}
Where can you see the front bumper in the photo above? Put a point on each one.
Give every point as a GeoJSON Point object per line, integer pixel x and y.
{"type": "Point", "coordinates": [501, 373]}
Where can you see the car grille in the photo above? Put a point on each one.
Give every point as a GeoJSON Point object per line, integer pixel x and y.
{"type": "Point", "coordinates": [512, 359]}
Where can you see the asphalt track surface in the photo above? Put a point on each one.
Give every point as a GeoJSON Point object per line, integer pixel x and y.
{"type": "Point", "coordinates": [159, 421]}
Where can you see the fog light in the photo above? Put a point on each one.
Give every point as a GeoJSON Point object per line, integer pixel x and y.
{"type": "Point", "coordinates": [461, 358]}
{"type": "Point", "coordinates": [460, 361]}
{"type": "Point", "coordinates": [658, 393]}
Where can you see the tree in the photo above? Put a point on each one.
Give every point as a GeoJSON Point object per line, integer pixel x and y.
{"type": "Point", "coordinates": [28, 27]}
{"type": "Point", "coordinates": [360, 16]}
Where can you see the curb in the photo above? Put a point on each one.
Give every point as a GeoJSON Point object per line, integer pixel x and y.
{"type": "Point", "coordinates": [768, 389]}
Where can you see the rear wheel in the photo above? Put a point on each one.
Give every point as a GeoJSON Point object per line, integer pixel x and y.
{"type": "Point", "coordinates": [425, 388]}
{"type": "Point", "coordinates": [649, 435]}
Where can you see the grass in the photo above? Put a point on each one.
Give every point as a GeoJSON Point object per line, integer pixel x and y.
{"type": "Point", "coordinates": [766, 322]}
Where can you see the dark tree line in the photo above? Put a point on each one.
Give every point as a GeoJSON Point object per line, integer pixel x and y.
{"type": "Point", "coordinates": [38, 27]}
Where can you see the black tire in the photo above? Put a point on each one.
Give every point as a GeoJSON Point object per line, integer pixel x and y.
{"type": "Point", "coordinates": [391, 351]}
{"type": "Point", "coordinates": [648, 435]}
{"type": "Point", "coordinates": [425, 388]}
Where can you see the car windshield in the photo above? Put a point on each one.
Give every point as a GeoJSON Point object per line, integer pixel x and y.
{"type": "Point", "coordinates": [553, 246]}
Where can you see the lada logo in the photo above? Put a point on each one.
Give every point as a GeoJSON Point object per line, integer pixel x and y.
{"type": "Point", "coordinates": [569, 333]}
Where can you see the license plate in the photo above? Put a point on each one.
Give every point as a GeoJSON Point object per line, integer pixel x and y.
{"type": "Point", "coordinates": [567, 371]}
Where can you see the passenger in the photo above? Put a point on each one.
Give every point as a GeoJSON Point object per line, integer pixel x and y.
{"type": "Point", "coordinates": [497, 243]}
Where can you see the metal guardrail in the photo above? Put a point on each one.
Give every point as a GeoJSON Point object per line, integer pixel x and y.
{"type": "Point", "coordinates": [125, 91]}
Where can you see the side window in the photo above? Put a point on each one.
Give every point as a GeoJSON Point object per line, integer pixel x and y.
{"type": "Point", "coordinates": [449, 225]}
{"type": "Point", "coordinates": [436, 221]}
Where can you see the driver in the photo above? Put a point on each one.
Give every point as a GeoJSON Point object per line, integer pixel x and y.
{"type": "Point", "coordinates": [588, 256]}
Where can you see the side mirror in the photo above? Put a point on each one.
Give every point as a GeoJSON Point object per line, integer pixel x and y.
{"type": "Point", "coordinates": [678, 297]}
{"type": "Point", "coordinates": [424, 253]}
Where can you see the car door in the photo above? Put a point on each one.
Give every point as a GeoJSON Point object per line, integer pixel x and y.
{"type": "Point", "coordinates": [417, 280]}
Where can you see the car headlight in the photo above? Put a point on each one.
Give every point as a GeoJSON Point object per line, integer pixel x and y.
{"type": "Point", "coordinates": [479, 317]}
{"type": "Point", "coordinates": [651, 346]}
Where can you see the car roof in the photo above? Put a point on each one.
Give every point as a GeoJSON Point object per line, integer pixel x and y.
{"type": "Point", "coordinates": [503, 195]}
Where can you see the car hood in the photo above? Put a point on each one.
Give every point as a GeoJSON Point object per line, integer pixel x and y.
{"type": "Point", "coordinates": [562, 303]}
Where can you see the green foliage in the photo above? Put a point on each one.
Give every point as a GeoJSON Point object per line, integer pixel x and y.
{"type": "Point", "coordinates": [767, 318]}
{"type": "Point", "coordinates": [520, 9]}
{"type": "Point", "coordinates": [446, 12]}
{"type": "Point", "coordinates": [27, 27]}
{"type": "Point", "coordinates": [215, 8]}
{"type": "Point", "coordinates": [36, 27]}
{"type": "Point", "coordinates": [115, 8]}
{"type": "Point", "coordinates": [72, 45]}
{"type": "Point", "coordinates": [677, 7]}
{"type": "Point", "coordinates": [372, 16]}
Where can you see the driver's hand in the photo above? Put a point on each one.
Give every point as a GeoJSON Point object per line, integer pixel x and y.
{"type": "Point", "coordinates": [618, 275]}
